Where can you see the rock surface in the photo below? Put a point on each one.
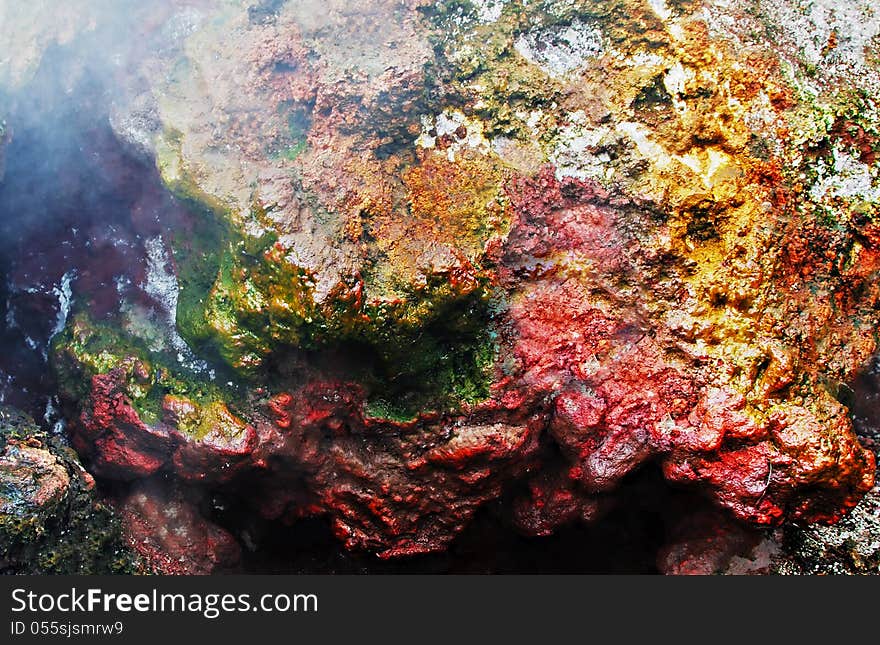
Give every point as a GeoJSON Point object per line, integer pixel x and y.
{"type": "Point", "coordinates": [441, 251]}
{"type": "Point", "coordinates": [852, 546]}
{"type": "Point", "coordinates": [712, 543]}
{"type": "Point", "coordinates": [166, 529]}
{"type": "Point", "coordinates": [51, 518]}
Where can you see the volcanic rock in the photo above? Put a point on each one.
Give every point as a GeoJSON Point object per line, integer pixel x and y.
{"type": "Point", "coordinates": [165, 528]}
{"type": "Point", "coordinates": [435, 248]}
{"type": "Point", "coordinates": [51, 517]}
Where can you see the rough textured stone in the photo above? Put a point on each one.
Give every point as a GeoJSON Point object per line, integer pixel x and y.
{"type": "Point", "coordinates": [852, 546]}
{"type": "Point", "coordinates": [166, 529]}
{"type": "Point", "coordinates": [437, 248]}
{"type": "Point", "coordinates": [647, 325]}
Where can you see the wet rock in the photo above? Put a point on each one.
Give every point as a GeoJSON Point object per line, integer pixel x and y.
{"type": "Point", "coordinates": [51, 517]}
{"type": "Point", "coordinates": [217, 448]}
{"type": "Point", "coordinates": [123, 446]}
{"type": "Point", "coordinates": [711, 542]}
{"type": "Point", "coordinates": [164, 526]}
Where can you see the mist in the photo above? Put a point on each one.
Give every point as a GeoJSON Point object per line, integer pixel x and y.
{"type": "Point", "coordinates": [81, 202]}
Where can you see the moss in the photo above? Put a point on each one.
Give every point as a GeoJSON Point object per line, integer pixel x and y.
{"type": "Point", "coordinates": [427, 349]}
{"type": "Point", "coordinates": [87, 348]}
{"type": "Point", "coordinates": [197, 253]}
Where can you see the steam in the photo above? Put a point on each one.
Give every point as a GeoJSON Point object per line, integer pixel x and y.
{"type": "Point", "coordinates": [81, 204]}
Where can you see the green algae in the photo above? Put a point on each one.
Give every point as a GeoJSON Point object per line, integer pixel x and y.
{"type": "Point", "coordinates": [243, 302]}
{"type": "Point", "coordinates": [176, 176]}
{"type": "Point", "coordinates": [448, 364]}
{"type": "Point", "coordinates": [427, 349]}
{"type": "Point", "coordinates": [197, 253]}
{"type": "Point", "coordinates": [87, 348]}
{"type": "Point", "coordinates": [292, 152]}
{"type": "Point", "coordinates": [430, 350]}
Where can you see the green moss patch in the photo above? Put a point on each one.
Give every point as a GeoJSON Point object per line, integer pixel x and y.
{"type": "Point", "coordinates": [87, 348]}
